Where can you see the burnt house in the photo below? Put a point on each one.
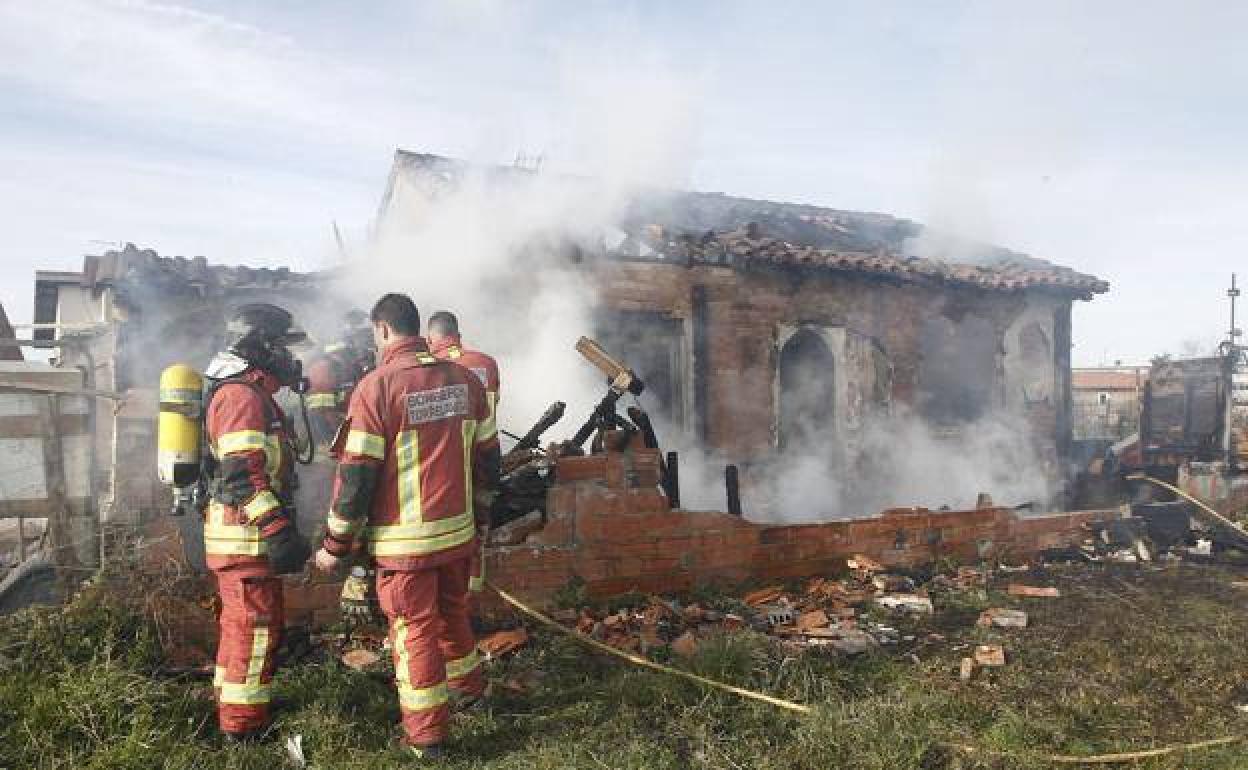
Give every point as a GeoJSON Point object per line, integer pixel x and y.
{"type": "Point", "coordinates": [760, 326]}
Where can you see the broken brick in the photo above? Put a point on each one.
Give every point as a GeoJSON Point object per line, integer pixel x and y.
{"type": "Point", "coordinates": [813, 619]}
{"type": "Point", "coordinates": [360, 659]}
{"type": "Point", "coordinates": [1033, 592]}
{"type": "Point", "coordinates": [990, 655]}
{"type": "Point", "coordinates": [763, 596]}
{"type": "Point", "coordinates": [685, 645]}
{"type": "Point", "coordinates": [1002, 618]}
{"type": "Point", "coordinates": [502, 642]}
{"type": "Point", "coordinates": [966, 669]}
{"type": "Point", "coordinates": [864, 563]}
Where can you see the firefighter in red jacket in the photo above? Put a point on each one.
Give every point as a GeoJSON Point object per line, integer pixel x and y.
{"type": "Point", "coordinates": [333, 374]}
{"type": "Point", "coordinates": [444, 343]}
{"type": "Point", "coordinates": [249, 532]}
{"type": "Point", "coordinates": [418, 470]}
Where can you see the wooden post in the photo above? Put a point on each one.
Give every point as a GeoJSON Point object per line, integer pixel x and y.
{"type": "Point", "coordinates": [60, 532]}
{"type": "Point", "coordinates": [21, 539]}
{"type": "Point", "coordinates": [673, 479]}
{"type": "Point", "coordinates": [732, 484]}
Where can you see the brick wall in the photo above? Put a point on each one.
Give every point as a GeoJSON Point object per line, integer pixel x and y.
{"type": "Point", "coordinates": [745, 308]}
{"type": "Point", "coordinates": [610, 527]}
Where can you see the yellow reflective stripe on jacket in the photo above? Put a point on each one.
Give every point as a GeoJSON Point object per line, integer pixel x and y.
{"type": "Point", "coordinates": [487, 428]}
{"type": "Point", "coordinates": [462, 667]}
{"type": "Point", "coordinates": [413, 536]}
{"type": "Point", "coordinates": [390, 544]}
{"type": "Point", "coordinates": [421, 530]}
{"type": "Point", "coordinates": [223, 539]}
{"type": "Point", "coordinates": [251, 692]}
{"type": "Point", "coordinates": [261, 504]}
{"type": "Point", "coordinates": [218, 676]}
{"type": "Point", "coordinates": [340, 525]}
{"type": "Point", "coordinates": [241, 441]}
{"type": "Point", "coordinates": [322, 400]}
{"type": "Point", "coordinates": [368, 444]}
{"type": "Point", "coordinates": [467, 430]}
{"type": "Point", "coordinates": [407, 455]}
{"type": "Point", "coordinates": [250, 441]}
{"type": "Point", "coordinates": [234, 547]}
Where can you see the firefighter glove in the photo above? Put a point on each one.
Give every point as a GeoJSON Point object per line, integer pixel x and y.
{"type": "Point", "coordinates": [288, 550]}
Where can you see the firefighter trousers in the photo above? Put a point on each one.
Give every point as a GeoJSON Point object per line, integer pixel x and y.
{"type": "Point", "coordinates": [433, 645]}
{"type": "Point", "coordinates": [251, 631]}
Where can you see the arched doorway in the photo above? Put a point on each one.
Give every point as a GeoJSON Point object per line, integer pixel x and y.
{"type": "Point", "coordinates": [806, 412]}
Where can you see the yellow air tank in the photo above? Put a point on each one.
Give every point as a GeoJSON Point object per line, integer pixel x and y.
{"type": "Point", "coordinates": [178, 437]}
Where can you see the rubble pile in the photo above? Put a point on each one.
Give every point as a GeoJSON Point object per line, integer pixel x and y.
{"type": "Point", "coordinates": [1164, 532]}
{"type": "Point", "coordinates": [870, 607]}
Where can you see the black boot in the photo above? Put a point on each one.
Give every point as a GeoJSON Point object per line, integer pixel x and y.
{"type": "Point", "coordinates": [245, 739]}
{"type": "Point", "coordinates": [427, 754]}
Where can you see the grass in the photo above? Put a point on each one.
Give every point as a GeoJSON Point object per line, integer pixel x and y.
{"type": "Point", "coordinates": [1127, 659]}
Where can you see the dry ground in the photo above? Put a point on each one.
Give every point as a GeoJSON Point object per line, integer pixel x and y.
{"type": "Point", "coordinates": [1129, 658]}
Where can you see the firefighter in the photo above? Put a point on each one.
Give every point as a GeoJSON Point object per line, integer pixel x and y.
{"type": "Point", "coordinates": [418, 469]}
{"type": "Point", "coordinates": [249, 533]}
{"type": "Point", "coordinates": [444, 342]}
{"type": "Point", "coordinates": [333, 374]}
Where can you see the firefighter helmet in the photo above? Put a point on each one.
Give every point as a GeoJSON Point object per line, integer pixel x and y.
{"type": "Point", "coordinates": [259, 335]}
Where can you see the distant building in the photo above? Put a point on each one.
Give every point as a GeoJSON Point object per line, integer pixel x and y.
{"type": "Point", "coordinates": [8, 352]}
{"type": "Point", "coordinates": [1106, 401]}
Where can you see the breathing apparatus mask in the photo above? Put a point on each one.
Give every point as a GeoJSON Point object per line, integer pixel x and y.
{"type": "Point", "coordinates": [259, 336]}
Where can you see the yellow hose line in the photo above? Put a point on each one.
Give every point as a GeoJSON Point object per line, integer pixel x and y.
{"type": "Point", "coordinates": [1105, 759]}
{"type": "Point", "coordinates": [1060, 759]}
{"type": "Point", "coordinates": [644, 662]}
{"type": "Point", "coordinates": [1165, 485]}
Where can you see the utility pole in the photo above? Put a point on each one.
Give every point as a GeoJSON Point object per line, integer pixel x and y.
{"type": "Point", "coordinates": [1231, 367]}
{"type": "Point", "coordinates": [1234, 334]}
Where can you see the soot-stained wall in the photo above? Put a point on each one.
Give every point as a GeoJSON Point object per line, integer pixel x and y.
{"type": "Point", "coordinates": [949, 353]}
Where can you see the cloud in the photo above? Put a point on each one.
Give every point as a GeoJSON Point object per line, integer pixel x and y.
{"type": "Point", "coordinates": [1104, 136]}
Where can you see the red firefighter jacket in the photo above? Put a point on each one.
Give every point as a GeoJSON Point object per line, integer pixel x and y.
{"type": "Point", "coordinates": [247, 435]}
{"type": "Point", "coordinates": [484, 366]}
{"type": "Point", "coordinates": [326, 381]}
{"type": "Point", "coordinates": [331, 378]}
{"type": "Point", "coordinates": [420, 441]}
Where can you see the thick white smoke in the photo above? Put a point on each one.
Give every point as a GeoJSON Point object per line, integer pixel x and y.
{"type": "Point", "coordinates": [499, 247]}
{"type": "Point", "coordinates": [496, 253]}
{"type": "Point", "coordinates": [505, 249]}
{"type": "Point", "coordinates": [897, 460]}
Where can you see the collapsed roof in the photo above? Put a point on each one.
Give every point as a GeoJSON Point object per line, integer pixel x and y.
{"type": "Point", "coordinates": [699, 227]}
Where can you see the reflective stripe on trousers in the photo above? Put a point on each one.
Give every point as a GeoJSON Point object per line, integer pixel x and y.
{"type": "Point", "coordinates": [476, 574]}
{"type": "Point", "coordinates": [251, 629]}
{"type": "Point", "coordinates": [433, 645]}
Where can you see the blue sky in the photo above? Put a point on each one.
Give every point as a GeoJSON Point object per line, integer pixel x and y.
{"type": "Point", "coordinates": [1108, 136]}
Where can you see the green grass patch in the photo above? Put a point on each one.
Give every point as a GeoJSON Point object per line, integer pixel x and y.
{"type": "Point", "coordinates": [1127, 659]}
